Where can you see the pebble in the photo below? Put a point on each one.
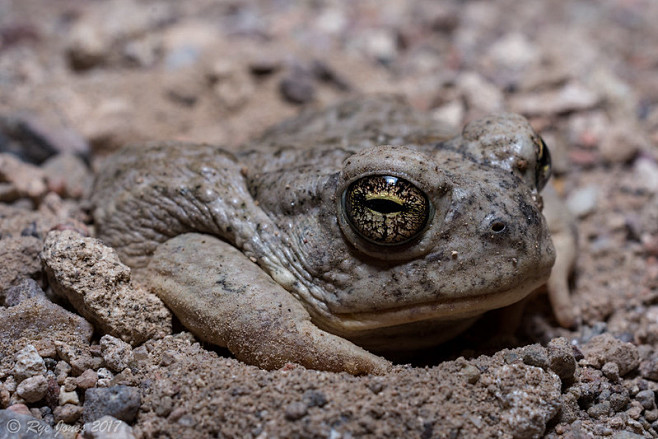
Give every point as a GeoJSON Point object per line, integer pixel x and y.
{"type": "Point", "coordinates": [62, 370]}
{"type": "Point", "coordinates": [40, 136]}
{"type": "Point", "coordinates": [649, 368]}
{"type": "Point", "coordinates": [611, 371]}
{"type": "Point", "coordinates": [599, 410]}
{"type": "Point", "coordinates": [121, 402]}
{"type": "Point", "coordinates": [4, 396]}
{"type": "Point", "coordinates": [621, 143]}
{"type": "Point", "coordinates": [91, 276]}
{"type": "Point", "coordinates": [116, 353]}
{"type": "Point", "coordinates": [68, 397]}
{"type": "Point", "coordinates": [297, 87]}
{"type": "Point", "coordinates": [67, 413]}
{"type": "Point", "coordinates": [645, 171]}
{"type": "Point", "coordinates": [604, 348]}
{"type": "Point", "coordinates": [28, 363]}
{"type": "Point", "coordinates": [647, 398]}
{"type": "Point", "coordinates": [33, 389]}
{"type": "Point", "coordinates": [535, 355]}
{"type": "Point", "coordinates": [20, 260]}
{"type": "Point", "coordinates": [78, 358]}
{"type": "Point", "coordinates": [107, 427]}
{"type": "Point", "coordinates": [619, 402]}
{"type": "Point", "coordinates": [87, 379]}
{"type": "Point", "coordinates": [571, 97]}
{"type": "Point", "coordinates": [67, 175]}
{"type": "Point", "coordinates": [480, 93]}
{"type": "Point", "coordinates": [315, 398]}
{"type": "Point", "coordinates": [296, 410]}
{"type": "Point", "coordinates": [583, 201]}
{"type": "Point", "coordinates": [87, 47]}
{"type": "Point", "coordinates": [627, 435]}
{"type": "Point", "coordinates": [27, 426]}
{"type": "Point", "coordinates": [105, 377]}
{"type": "Point", "coordinates": [514, 51]}
{"type": "Point", "coordinates": [25, 179]}
{"type": "Point", "coordinates": [26, 289]}
{"type": "Point", "coordinates": [561, 358]}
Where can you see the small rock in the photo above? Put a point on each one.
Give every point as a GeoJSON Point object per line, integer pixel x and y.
{"type": "Point", "coordinates": [647, 398]}
{"type": "Point", "coordinates": [68, 397]}
{"type": "Point", "coordinates": [33, 389]}
{"type": "Point", "coordinates": [19, 256]}
{"type": "Point", "coordinates": [315, 398]}
{"type": "Point", "coordinates": [645, 171]}
{"type": "Point", "coordinates": [91, 276]}
{"type": "Point", "coordinates": [561, 358]}
{"type": "Point", "coordinates": [28, 363]}
{"type": "Point", "coordinates": [21, 409]}
{"type": "Point", "coordinates": [480, 94]}
{"type": "Point", "coordinates": [78, 357]}
{"type": "Point", "coordinates": [14, 425]}
{"type": "Point", "coordinates": [599, 410]}
{"type": "Point", "coordinates": [651, 415]}
{"type": "Point", "coordinates": [605, 348]}
{"type": "Point", "coordinates": [121, 402]}
{"type": "Point", "coordinates": [619, 402]}
{"type": "Point", "coordinates": [297, 87]}
{"type": "Point", "coordinates": [87, 379]}
{"type": "Point", "coordinates": [26, 289]}
{"type": "Point", "coordinates": [67, 175]}
{"type": "Point", "coordinates": [41, 136]}
{"type": "Point", "coordinates": [116, 353]}
{"type": "Point", "coordinates": [296, 410]}
{"type": "Point", "coordinates": [611, 371]}
{"type": "Point", "coordinates": [87, 46]}
{"type": "Point", "coordinates": [572, 97]}
{"type": "Point", "coordinates": [627, 435]}
{"type": "Point", "coordinates": [107, 427]}
{"type": "Point", "coordinates": [514, 51]}
{"type": "Point", "coordinates": [105, 377]}
{"type": "Point", "coordinates": [535, 355]}
{"type": "Point", "coordinates": [621, 143]}
{"type": "Point", "coordinates": [4, 396]}
{"type": "Point", "coordinates": [379, 43]}
{"type": "Point", "coordinates": [68, 413]}
{"type": "Point", "coordinates": [62, 371]}
{"type": "Point", "coordinates": [583, 201]}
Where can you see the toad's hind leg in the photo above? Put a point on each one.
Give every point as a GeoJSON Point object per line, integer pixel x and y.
{"type": "Point", "coordinates": [225, 299]}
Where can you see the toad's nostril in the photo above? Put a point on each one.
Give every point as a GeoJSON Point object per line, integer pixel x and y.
{"type": "Point", "coordinates": [498, 226]}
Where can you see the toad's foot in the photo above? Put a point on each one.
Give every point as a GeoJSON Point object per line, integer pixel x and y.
{"type": "Point", "coordinates": [563, 231]}
{"type": "Point", "coordinates": [227, 300]}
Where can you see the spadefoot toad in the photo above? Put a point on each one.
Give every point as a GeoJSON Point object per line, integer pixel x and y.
{"type": "Point", "coordinates": [361, 228]}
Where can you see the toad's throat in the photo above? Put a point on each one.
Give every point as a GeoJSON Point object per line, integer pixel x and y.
{"type": "Point", "coordinates": [447, 309]}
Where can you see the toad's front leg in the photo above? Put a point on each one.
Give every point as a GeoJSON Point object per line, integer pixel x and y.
{"type": "Point", "coordinates": [225, 299]}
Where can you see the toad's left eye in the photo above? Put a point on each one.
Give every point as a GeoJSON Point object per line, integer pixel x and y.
{"type": "Point", "coordinates": [543, 171]}
{"type": "Point", "coordinates": [386, 210]}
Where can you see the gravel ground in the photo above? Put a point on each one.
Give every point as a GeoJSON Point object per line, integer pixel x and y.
{"type": "Point", "coordinates": [79, 79]}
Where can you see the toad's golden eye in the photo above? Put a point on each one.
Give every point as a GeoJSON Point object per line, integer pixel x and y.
{"type": "Point", "coordinates": [543, 171]}
{"type": "Point", "coordinates": [386, 210]}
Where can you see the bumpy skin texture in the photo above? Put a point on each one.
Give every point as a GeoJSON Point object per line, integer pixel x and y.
{"type": "Point", "coordinates": [278, 204]}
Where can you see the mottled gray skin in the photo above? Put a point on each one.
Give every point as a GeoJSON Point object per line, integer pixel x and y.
{"type": "Point", "coordinates": [277, 203]}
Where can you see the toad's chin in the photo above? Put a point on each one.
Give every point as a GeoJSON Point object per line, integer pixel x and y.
{"type": "Point", "coordinates": [420, 325]}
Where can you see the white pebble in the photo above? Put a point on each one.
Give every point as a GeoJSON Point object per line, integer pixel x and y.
{"type": "Point", "coordinates": [583, 201]}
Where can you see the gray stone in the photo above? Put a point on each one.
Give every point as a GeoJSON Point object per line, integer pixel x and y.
{"type": "Point", "coordinates": [121, 402]}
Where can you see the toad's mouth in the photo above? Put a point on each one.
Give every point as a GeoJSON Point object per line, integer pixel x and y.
{"type": "Point", "coordinates": [447, 309]}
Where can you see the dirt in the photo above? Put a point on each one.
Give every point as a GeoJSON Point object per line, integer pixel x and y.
{"type": "Point", "coordinates": [79, 79]}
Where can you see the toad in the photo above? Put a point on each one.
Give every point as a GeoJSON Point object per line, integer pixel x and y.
{"type": "Point", "coordinates": [339, 234]}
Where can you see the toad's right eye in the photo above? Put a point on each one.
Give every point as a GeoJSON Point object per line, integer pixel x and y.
{"type": "Point", "coordinates": [386, 210]}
